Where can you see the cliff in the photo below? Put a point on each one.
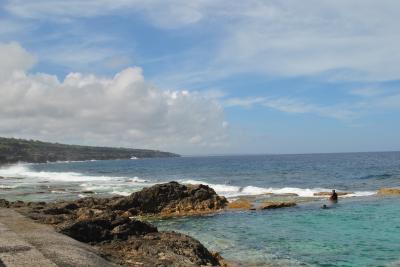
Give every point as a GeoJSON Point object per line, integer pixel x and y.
{"type": "Point", "coordinates": [14, 150]}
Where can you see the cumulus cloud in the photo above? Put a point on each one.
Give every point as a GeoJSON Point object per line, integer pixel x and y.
{"type": "Point", "coordinates": [13, 58]}
{"type": "Point", "coordinates": [123, 110]}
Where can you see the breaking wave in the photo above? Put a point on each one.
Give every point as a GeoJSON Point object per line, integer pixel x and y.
{"type": "Point", "coordinates": [126, 185]}
{"type": "Point", "coordinates": [23, 171]}
{"type": "Point", "coordinates": [231, 191]}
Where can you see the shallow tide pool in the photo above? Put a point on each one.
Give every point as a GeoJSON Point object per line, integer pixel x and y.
{"type": "Point", "coordinates": [357, 232]}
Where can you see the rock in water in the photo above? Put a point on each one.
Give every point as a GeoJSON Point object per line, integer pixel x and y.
{"type": "Point", "coordinates": [171, 199]}
{"type": "Point", "coordinates": [389, 192]}
{"type": "Point", "coordinates": [276, 205]}
{"type": "Point", "coordinates": [243, 204]}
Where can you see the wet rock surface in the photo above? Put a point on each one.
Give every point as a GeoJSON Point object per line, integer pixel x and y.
{"type": "Point", "coordinates": [389, 192]}
{"type": "Point", "coordinates": [241, 204]}
{"type": "Point", "coordinates": [162, 249]}
{"type": "Point", "coordinates": [111, 225]}
{"type": "Point", "coordinates": [171, 199]}
{"type": "Point", "coordinates": [276, 205]}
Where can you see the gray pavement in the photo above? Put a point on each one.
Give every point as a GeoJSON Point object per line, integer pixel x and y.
{"type": "Point", "coordinates": [26, 243]}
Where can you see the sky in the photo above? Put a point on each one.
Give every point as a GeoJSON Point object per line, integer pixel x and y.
{"type": "Point", "coordinates": [203, 76]}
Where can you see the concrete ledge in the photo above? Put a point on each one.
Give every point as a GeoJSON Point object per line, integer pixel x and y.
{"type": "Point", "coordinates": [26, 243]}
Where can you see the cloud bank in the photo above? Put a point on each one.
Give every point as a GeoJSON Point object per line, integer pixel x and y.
{"type": "Point", "coordinates": [123, 110]}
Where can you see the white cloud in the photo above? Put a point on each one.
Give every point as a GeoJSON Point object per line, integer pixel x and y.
{"type": "Point", "coordinates": [243, 102]}
{"type": "Point", "coordinates": [367, 92]}
{"type": "Point", "coordinates": [345, 40]}
{"type": "Point", "coordinates": [384, 102]}
{"type": "Point", "coordinates": [123, 110]}
{"type": "Point", "coordinates": [14, 57]}
{"type": "Point", "coordinates": [166, 14]}
{"type": "Point", "coordinates": [289, 105]}
{"type": "Point", "coordinates": [297, 106]}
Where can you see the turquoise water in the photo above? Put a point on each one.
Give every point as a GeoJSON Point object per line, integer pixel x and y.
{"type": "Point", "coordinates": [362, 230]}
{"type": "Point", "coordinates": [358, 232]}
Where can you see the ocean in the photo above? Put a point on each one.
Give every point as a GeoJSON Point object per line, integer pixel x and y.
{"type": "Point", "coordinates": [362, 230]}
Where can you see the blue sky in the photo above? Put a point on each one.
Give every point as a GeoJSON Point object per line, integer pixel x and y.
{"type": "Point", "coordinates": [203, 77]}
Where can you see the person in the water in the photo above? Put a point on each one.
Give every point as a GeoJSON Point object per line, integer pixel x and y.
{"type": "Point", "coordinates": [334, 197]}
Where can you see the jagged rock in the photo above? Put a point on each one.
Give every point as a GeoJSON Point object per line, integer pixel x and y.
{"type": "Point", "coordinates": [330, 193]}
{"type": "Point", "coordinates": [101, 229]}
{"type": "Point", "coordinates": [109, 223]}
{"type": "Point", "coordinates": [86, 214]}
{"type": "Point", "coordinates": [63, 208]}
{"type": "Point", "coordinates": [171, 199]}
{"type": "Point", "coordinates": [87, 192]}
{"type": "Point", "coordinates": [240, 204]}
{"type": "Point", "coordinates": [17, 204]}
{"type": "Point", "coordinates": [389, 192]}
{"type": "Point", "coordinates": [276, 205]}
{"type": "Point", "coordinates": [163, 249]}
{"type": "Point", "coordinates": [4, 203]}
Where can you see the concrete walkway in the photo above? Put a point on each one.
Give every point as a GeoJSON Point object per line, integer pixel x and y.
{"type": "Point", "coordinates": [26, 243]}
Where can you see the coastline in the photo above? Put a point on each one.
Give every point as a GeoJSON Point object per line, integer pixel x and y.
{"type": "Point", "coordinates": [111, 225]}
{"type": "Point", "coordinates": [14, 150]}
{"type": "Point", "coordinates": [256, 227]}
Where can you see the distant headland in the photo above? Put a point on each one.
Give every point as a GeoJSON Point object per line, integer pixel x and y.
{"type": "Point", "coordinates": [14, 150]}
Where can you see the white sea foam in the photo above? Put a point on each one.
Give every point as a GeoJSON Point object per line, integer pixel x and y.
{"type": "Point", "coordinates": [361, 194]}
{"type": "Point", "coordinates": [121, 193]}
{"type": "Point", "coordinates": [58, 192]}
{"type": "Point", "coordinates": [8, 186]}
{"type": "Point", "coordinates": [66, 161]}
{"type": "Point", "coordinates": [126, 185]}
{"type": "Point", "coordinates": [232, 191]}
{"type": "Point", "coordinates": [24, 171]}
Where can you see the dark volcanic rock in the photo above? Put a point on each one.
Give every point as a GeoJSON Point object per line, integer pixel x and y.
{"type": "Point", "coordinates": [163, 249]}
{"type": "Point", "coordinates": [276, 205]}
{"type": "Point", "coordinates": [171, 199]}
{"type": "Point", "coordinates": [63, 208]}
{"type": "Point", "coordinates": [109, 223]}
{"type": "Point", "coordinates": [87, 192]}
{"type": "Point", "coordinates": [97, 230]}
{"type": "Point", "coordinates": [4, 203]}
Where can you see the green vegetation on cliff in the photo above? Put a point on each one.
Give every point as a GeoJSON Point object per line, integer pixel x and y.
{"type": "Point", "coordinates": [14, 150]}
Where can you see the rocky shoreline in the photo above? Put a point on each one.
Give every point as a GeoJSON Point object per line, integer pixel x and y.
{"type": "Point", "coordinates": [118, 227]}
{"type": "Point", "coordinates": [112, 225]}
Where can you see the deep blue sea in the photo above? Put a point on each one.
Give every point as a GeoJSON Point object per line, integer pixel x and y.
{"type": "Point", "coordinates": [362, 230]}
